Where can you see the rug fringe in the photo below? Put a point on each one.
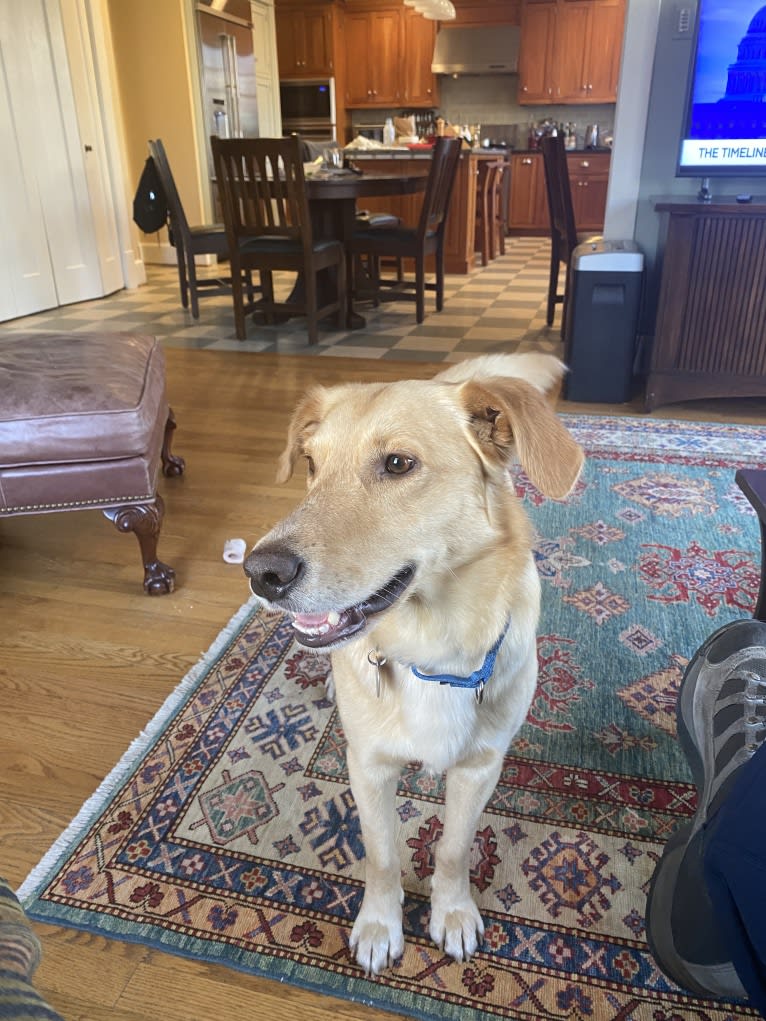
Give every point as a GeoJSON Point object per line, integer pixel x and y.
{"type": "Point", "coordinates": [134, 754]}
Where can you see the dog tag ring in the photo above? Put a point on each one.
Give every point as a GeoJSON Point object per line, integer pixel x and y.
{"type": "Point", "coordinates": [376, 660]}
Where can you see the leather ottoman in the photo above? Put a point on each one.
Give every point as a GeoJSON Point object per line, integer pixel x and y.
{"type": "Point", "coordinates": [85, 423]}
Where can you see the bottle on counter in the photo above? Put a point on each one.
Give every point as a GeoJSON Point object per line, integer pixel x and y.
{"type": "Point", "coordinates": [389, 135]}
{"type": "Point", "coordinates": [570, 139]}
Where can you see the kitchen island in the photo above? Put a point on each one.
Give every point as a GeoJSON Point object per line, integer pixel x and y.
{"type": "Point", "coordinates": [460, 234]}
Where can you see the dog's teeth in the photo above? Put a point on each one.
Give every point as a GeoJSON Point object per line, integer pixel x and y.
{"type": "Point", "coordinates": [333, 618]}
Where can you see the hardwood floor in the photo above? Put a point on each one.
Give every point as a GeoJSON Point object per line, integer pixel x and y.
{"type": "Point", "coordinates": [88, 658]}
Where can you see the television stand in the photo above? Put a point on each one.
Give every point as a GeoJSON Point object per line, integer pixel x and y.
{"type": "Point", "coordinates": [710, 337]}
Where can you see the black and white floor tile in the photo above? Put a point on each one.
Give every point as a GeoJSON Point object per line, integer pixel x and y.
{"type": "Point", "coordinates": [500, 308]}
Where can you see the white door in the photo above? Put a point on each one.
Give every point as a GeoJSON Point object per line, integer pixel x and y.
{"type": "Point", "coordinates": [49, 230]}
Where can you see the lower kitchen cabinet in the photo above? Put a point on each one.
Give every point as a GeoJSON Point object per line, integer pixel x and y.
{"type": "Point", "coordinates": [528, 211]}
{"type": "Point", "coordinates": [588, 180]}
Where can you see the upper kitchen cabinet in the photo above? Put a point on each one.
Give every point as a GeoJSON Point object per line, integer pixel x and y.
{"type": "Point", "coordinates": [373, 38]}
{"type": "Point", "coordinates": [388, 49]}
{"type": "Point", "coordinates": [570, 51]}
{"type": "Point", "coordinates": [486, 12]}
{"type": "Point", "coordinates": [538, 36]}
{"type": "Point", "coordinates": [421, 87]}
{"type": "Point", "coordinates": [305, 39]}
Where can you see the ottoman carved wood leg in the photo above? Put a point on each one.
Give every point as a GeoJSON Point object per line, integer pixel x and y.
{"type": "Point", "coordinates": [85, 424]}
{"type": "Point", "coordinates": [145, 520]}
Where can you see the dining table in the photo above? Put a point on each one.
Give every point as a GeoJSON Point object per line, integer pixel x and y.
{"type": "Point", "coordinates": [332, 196]}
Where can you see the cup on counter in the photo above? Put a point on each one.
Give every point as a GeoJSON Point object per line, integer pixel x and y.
{"type": "Point", "coordinates": [333, 159]}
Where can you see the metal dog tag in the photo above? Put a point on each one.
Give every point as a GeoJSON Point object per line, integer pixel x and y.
{"type": "Point", "coordinates": [375, 659]}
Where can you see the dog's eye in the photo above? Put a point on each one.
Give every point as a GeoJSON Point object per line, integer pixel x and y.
{"type": "Point", "coordinates": [398, 464]}
{"type": "Point", "coordinates": [310, 466]}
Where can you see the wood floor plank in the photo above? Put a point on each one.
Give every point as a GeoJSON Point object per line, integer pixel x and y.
{"type": "Point", "coordinates": [87, 658]}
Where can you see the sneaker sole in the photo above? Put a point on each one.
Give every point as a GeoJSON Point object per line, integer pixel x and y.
{"type": "Point", "coordinates": [732, 645]}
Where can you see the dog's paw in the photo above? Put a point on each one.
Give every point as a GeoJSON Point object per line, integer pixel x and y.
{"type": "Point", "coordinates": [458, 930]}
{"type": "Point", "coordinates": [377, 942]}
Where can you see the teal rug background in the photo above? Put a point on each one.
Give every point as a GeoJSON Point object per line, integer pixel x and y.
{"type": "Point", "coordinates": [655, 549]}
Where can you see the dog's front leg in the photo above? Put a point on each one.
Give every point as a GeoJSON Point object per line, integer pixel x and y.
{"type": "Point", "coordinates": [377, 937]}
{"type": "Point", "coordinates": [456, 924]}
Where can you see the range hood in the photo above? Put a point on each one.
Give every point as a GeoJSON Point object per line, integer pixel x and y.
{"type": "Point", "coordinates": [481, 50]}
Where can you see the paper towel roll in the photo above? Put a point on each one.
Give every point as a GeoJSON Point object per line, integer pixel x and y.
{"type": "Point", "coordinates": [234, 551]}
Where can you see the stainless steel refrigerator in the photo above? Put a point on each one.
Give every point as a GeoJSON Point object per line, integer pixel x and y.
{"type": "Point", "coordinates": [227, 68]}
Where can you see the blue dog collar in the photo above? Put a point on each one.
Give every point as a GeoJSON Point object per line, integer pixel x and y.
{"type": "Point", "coordinates": [474, 681]}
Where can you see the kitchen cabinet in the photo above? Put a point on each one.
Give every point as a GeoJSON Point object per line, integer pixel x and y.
{"type": "Point", "coordinates": [528, 208]}
{"type": "Point", "coordinates": [570, 51]}
{"type": "Point", "coordinates": [538, 35]}
{"type": "Point", "coordinates": [588, 181]}
{"type": "Point", "coordinates": [419, 35]}
{"type": "Point", "coordinates": [388, 51]}
{"type": "Point", "coordinates": [305, 41]}
{"type": "Point", "coordinates": [487, 12]}
{"type": "Point", "coordinates": [373, 47]}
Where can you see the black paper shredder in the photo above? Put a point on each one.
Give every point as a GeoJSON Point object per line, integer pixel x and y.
{"type": "Point", "coordinates": [602, 320]}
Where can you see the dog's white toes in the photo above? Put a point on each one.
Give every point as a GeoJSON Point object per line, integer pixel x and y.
{"type": "Point", "coordinates": [459, 932]}
{"type": "Point", "coordinates": [376, 945]}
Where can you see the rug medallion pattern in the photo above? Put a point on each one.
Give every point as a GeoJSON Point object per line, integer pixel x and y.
{"type": "Point", "coordinates": [230, 832]}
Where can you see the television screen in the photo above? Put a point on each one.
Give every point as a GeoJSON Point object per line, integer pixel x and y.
{"type": "Point", "coordinates": [725, 129]}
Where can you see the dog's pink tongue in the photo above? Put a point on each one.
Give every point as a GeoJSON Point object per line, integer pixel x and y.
{"type": "Point", "coordinates": [310, 620]}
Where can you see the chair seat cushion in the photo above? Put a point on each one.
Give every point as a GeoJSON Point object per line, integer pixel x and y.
{"type": "Point", "coordinates": [78, 397]}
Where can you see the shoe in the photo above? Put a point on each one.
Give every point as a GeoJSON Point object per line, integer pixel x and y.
{"type": "Point", "coordinates": [721, 717]}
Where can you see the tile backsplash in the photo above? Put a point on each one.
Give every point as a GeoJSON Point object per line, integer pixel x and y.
{"type": "Point", "coordinates": [491, 100]}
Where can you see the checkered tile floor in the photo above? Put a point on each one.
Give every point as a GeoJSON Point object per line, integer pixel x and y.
{"type": "Point", "coordinates": [498, 308]}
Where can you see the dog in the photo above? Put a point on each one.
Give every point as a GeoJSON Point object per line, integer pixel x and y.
{"type": "Point", "coordinates": [410, 559]}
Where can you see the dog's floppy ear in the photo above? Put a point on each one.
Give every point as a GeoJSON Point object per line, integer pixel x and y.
{"type": "Point", "coordinates": [305, 419]}
{"type": "Point", "coordinates": [510, 416]}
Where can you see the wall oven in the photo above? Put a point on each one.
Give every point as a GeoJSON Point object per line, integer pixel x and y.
{"type": "Point", "coordinates": [308, 107]}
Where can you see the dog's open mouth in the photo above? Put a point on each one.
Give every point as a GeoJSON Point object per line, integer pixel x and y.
{"type": "Point", "coordinates": [321, 629]}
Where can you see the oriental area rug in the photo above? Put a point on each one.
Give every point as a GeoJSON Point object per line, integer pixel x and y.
{"type": "Point", "coordinates": [228, 832]}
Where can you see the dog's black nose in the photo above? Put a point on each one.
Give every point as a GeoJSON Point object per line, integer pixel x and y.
{"type": "Point", "coordinates": [273, 573]}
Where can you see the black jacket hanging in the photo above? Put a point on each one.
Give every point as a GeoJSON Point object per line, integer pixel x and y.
{"type": "Point", "coordinates": [150, 206]}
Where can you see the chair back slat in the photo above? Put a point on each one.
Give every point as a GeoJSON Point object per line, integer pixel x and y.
{"type": "Point", "coordinates": [441, 178]}
{"type": "Point", "coordinates": [262, 188]}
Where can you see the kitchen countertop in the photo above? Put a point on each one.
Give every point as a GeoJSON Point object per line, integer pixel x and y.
{"type": "Point", "coordinates": [397, 152]}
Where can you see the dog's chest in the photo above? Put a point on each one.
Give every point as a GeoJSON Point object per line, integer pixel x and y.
{"type": "Point", "coordinates": [412, 720]}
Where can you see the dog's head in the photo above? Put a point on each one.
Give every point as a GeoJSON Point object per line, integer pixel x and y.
{"type": "Point", "coordinates": [407, 487]}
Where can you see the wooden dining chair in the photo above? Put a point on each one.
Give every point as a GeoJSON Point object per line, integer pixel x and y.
{"type": "Point", "coordinates": [268, 226]}
{"type": "Point", "coordinates": [209, 239]}
{"type": "Point", "coordinates": [564, 235]}
{"type": "Point", "coordinates": [498, 217]}
{"type": "Point", "coordinates": [427, 238]}
{"type": "Point", "coordinates": [489, 240]}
